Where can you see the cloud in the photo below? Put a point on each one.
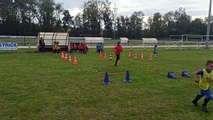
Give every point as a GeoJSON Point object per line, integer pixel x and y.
{"type": "Point", "coordinates": [148, 7]}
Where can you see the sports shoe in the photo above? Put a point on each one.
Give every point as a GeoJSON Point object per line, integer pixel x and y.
{"type": "Point", "coordinates": [205, 109]}
{"type": "Point", "coordinates": [194, 103]}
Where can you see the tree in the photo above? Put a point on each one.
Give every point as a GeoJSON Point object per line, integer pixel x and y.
{"type": "Point", "coordinates": [58, 22]}
{"type": "Point", "coordinates": [122, 26]}
{"type": "Point", "coordinates": [182, 21]}
{"type": "Point", "coordinates": [136, 21]}
{"type": "Point", "coordinates": [92, 17]}
{"type": "Point", "coordinates": [170, 23]}
{"type": "Point", "coordinates": [9, 17]}
{"type": "Point", "coordinates": [197, 26]}
{"type": "Point", "coordinates": [107, 18]}
{"type": "Point", "coordinates": [46, 14]}
{"type": "Point", "coordinates": [128, 28]}
{"type": "Point", "coordinates": [157, 26]}
{"type": "Point", "coordinates": [78, 25]}
{"type": "Point", "coordinates": [67, 20]}
{"type": "Point", "coordinates": [119, 27]}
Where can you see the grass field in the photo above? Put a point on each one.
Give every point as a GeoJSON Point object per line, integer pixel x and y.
{"type": "Point", "coordinates": [40, 86]}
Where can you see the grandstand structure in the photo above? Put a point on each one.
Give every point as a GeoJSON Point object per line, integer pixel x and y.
{"type": "Point", "coordinates": [51, 37]}
{"type": "Point", "coordinates": [124, 41]}
{"type": "Point", "coordinates": [149, 42]}
{"type": "Point", "coordinates": [95, 40]}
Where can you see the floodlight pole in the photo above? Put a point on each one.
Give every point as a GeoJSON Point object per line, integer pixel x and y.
{"type": "Point", "coordinates": [115, 14]}
{"type": "Point", "coordinates": [208, 26]}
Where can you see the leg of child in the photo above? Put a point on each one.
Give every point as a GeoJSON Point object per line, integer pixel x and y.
{"type": "Point", "coordinates": [206, 100]}
{"type": "Point", "coordinates": [117, 58]}
{"type": "Point", "coordinates": [196, 99]}
{"type": "Point", "coordinates": [58, 51]}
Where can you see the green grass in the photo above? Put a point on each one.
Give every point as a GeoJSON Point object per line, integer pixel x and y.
{"type": "Point", "coordinates": [40, 86]}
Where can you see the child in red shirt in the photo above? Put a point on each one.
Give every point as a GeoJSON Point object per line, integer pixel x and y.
{"type": "Point", "coordinates": [118, 49]}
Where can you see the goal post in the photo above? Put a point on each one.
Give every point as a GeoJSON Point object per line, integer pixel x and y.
{"type": "Point", "coordinates": [189, 41]}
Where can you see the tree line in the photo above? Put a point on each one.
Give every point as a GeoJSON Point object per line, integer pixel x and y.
{"type": "Point", "coordinates": [28, 17]}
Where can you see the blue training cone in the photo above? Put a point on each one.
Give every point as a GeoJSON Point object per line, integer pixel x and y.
{"type": "Point", "coordinates": [106, 79]}
{"type": "Point", "coordinates": [171, 75]}
{"type": "Point", "coordinates": [127, 77]}
{"type": "Point", "coordinates": [185, 74]}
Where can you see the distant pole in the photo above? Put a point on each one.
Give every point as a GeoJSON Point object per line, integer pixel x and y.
{"type": "Point", "coordinates": [115, 14]}
{"type": "Point", "coordinates": [208, 27]}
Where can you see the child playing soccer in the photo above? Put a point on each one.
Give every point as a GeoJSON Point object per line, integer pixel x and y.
{"type": "Point", "coordinates": [41, 44]}
{"type": "Point", "coordinates": [204, 78]}
{"type": "Point", "coordinates": [155, 51]}
{"type": "Point", "coordinates": [55, 47]}
{"type": "Point", "coordinates": [118, 49]}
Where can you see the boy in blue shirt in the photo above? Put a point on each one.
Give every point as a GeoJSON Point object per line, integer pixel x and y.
{"type": "Point", "coordinates": [204, 78]}
{"type": "Point", "coordinates": [155, 51]}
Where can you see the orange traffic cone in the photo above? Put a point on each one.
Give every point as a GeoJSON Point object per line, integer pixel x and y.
{"type": "Point", "coordinates": [62, 55]}
{"type": "Point", "coordinates": [129, 54]}
{"type": "Point", "coordinates": [100, 55]}
{"type": "Point", "coordinates": [75, 62]}
{"type": "Point", "coordinates": [105, 56]}
{"type": "Point", "coordinates": [150, 56]}
{"type": "Point", "coordinates": [142, 56]}
{"type": "Point", "coordinates": [70, 59]}
{"type": "Point", "coordinates": [66, 57]}
{"type": "Point", "coordinates": [110, 57]}
{"type": "Point", "coordinates": [136, 56]}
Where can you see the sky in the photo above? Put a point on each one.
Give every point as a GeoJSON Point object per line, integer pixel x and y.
{"type": "Point", "coordinates": [194, 8]}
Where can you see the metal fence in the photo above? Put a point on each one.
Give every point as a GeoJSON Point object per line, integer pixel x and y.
{"type": "Point", "coordinates": [28, 41]}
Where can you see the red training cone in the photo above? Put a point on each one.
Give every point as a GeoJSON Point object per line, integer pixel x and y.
{"type": "Point", "coordinates": [142, 56]}
{"type": "Point", "coordinates": [129, 54]}
{"type": "Point", "coordinates": [136, 56]}
{"type": "Point", "coordinates": [105, 56]}
{"type": "Point", "coordinates": [150, 56]}
{"type": "Point", "coordinates": [70, 59]}
{"type": "Point", "coordinates": [75, 62]}
{"type": "Point", "coordinates": [62, 55]}
{"type": "Point", "coordinates": [100, 55]}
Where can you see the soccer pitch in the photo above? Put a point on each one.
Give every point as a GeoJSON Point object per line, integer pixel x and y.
{"type": "Point", "coordinates": [42, 86]}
